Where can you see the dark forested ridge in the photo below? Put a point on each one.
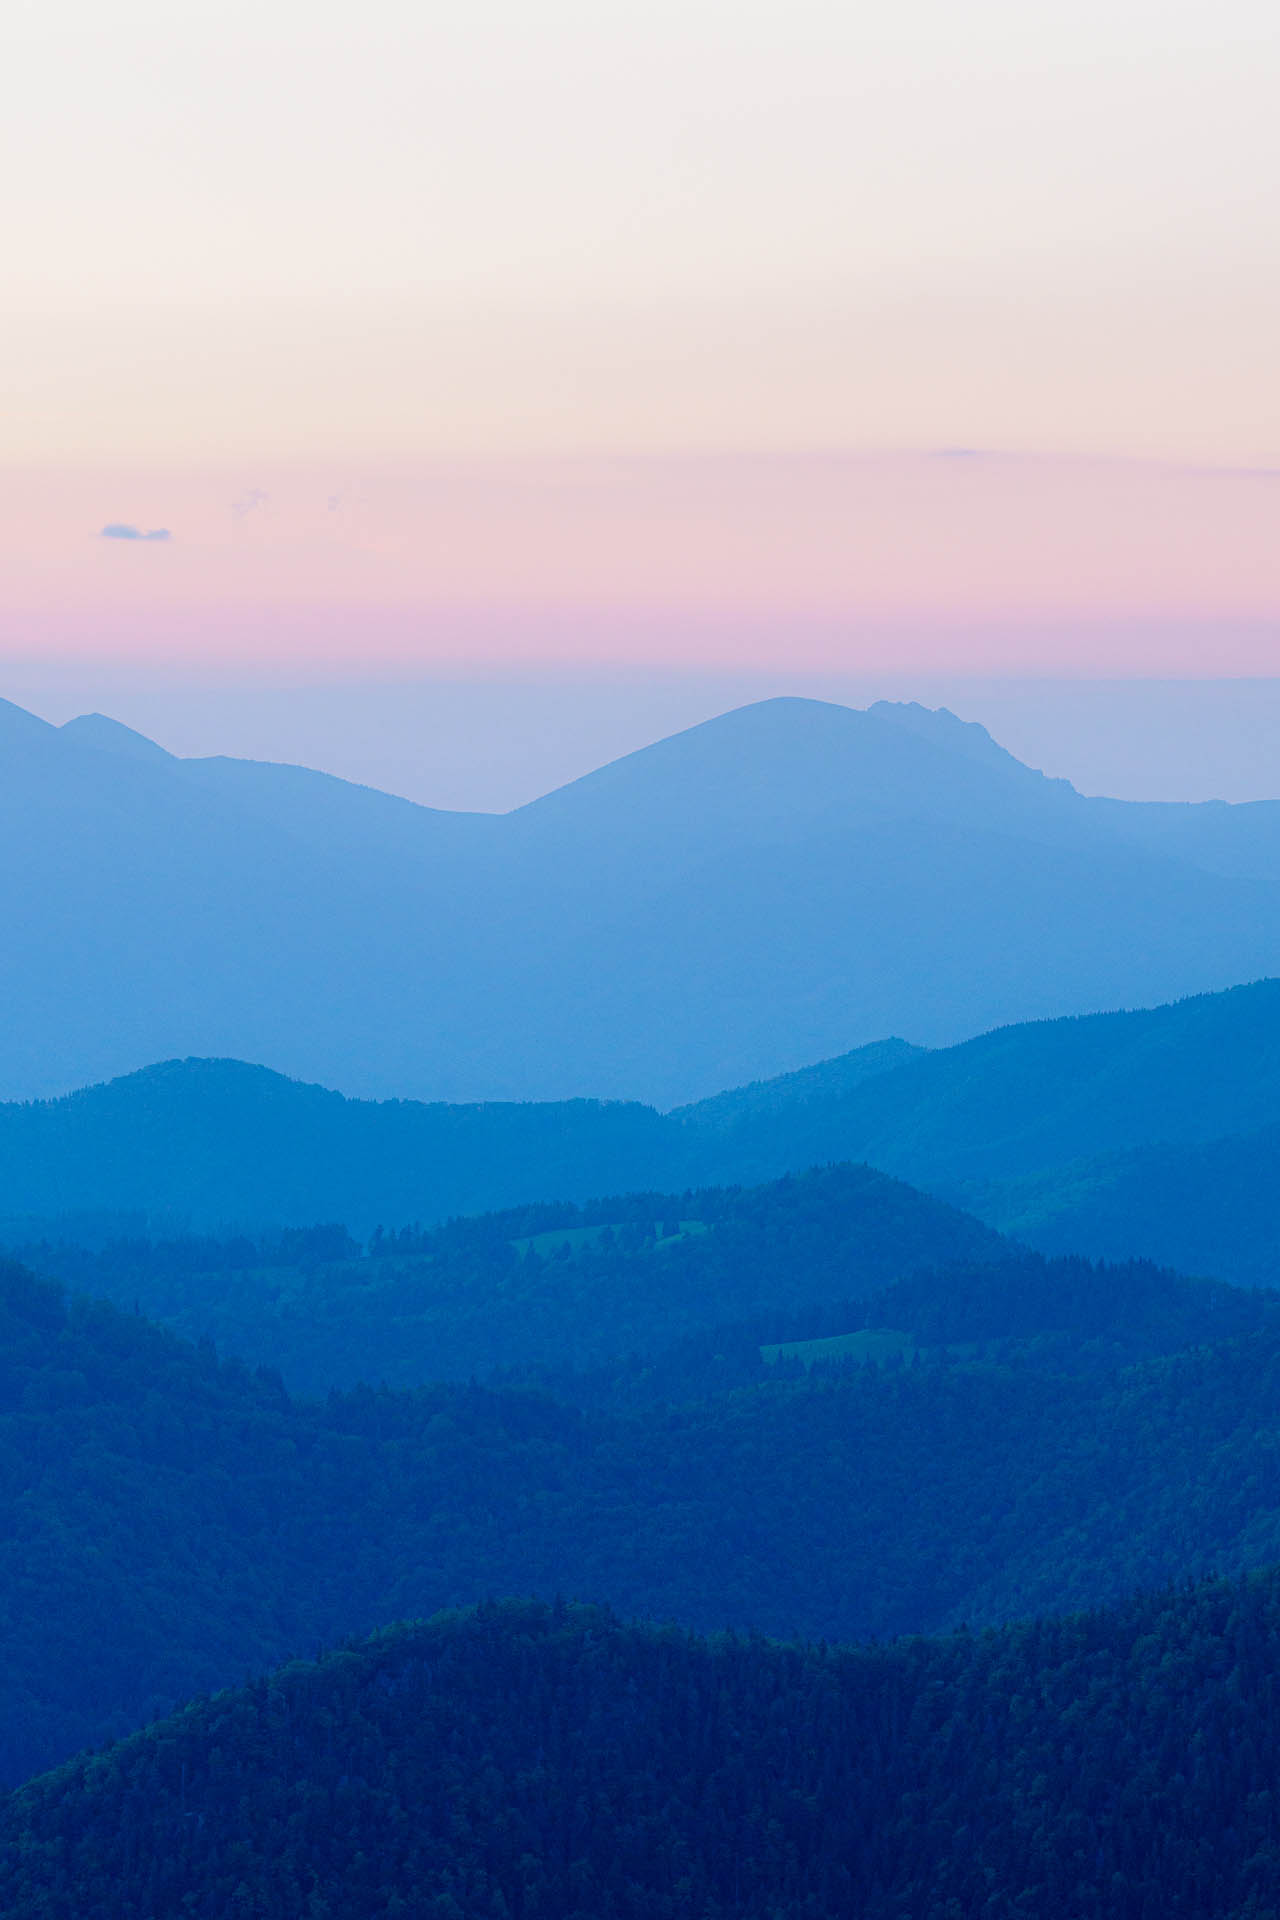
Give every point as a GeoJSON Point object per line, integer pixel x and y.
{"type": "Point", "coordinates": [523, 1761]}
{"type": "Point", "coordinates": [169, 1521]}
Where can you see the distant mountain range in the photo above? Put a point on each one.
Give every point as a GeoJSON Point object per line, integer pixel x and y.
{"type": "Point", "coordinates": [1152, 1134]}
{"type": "Point", "coordinates": [789, 881]}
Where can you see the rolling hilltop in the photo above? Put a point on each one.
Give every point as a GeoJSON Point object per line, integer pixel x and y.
{"type": "Point", "coordinates": [772, 887]}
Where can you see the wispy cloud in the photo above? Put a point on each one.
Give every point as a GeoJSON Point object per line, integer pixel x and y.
{"type": "Point", "coordinates": [121, 530]}
{"type": "Point", "coordinates": [249, 502]}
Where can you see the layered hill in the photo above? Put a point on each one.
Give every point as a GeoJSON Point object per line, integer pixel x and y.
{"type": "Point", "coordinates": [542, 1287]}
{"type": "Point", "coordinates": [781, 884]}
{"type": "Point", "coordinates": [1019, 1099]}
{"type": "Point", "coordinates": [523, 1760]}
{"type": "Point", "coordinates": [198, 1145]}
{"type": "Point", "coordinates": [169, 1521]}
{"type": "Point", "coordinates": [214, 1142]}
{"type": "Point", "coordinates": [1153, 1133]}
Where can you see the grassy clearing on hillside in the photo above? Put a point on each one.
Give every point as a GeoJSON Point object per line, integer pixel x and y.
{"type": "Point", "coordinates": [881, 1345]}
{"type": "Point", "coordinates": [666, 1233]}
{"type": "Point", "coordinates": [871, 1343]}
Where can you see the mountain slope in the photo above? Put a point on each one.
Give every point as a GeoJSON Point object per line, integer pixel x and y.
{"type": "Point", "coordinates": [775, 886]}
{"type": "Point", "coordinates": [1211, 1208]}
{"type": "Point", "coordinates": [817, 1085]}
{"type": "Point", "coordinates": [1022, 1098]}
{"type": "Point", "coordinates": [531, 1760]}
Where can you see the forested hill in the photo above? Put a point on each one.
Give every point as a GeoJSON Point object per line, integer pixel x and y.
{"type": "Point", "coordinates": [169, 1521]}
{"type": "Point", "coordinates": [524, 1761]}
{"type": "Point", "coordinates": [210, 1143]}
{"type": "Point", "coordinates": [545, 1286]}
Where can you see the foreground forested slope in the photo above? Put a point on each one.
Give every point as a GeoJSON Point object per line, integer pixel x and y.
{"type": "Point", "coordinates": [524, 1761]}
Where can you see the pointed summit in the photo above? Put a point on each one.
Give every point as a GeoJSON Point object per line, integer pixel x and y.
{"type": "Point", "coordinates": [105, 735]}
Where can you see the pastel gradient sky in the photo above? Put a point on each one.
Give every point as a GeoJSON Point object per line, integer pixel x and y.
{"type": "Point", "coordinates": [823, 336]}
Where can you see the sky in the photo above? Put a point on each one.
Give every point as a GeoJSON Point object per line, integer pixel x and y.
{"type": "Point", "coordinates": [432, 342]}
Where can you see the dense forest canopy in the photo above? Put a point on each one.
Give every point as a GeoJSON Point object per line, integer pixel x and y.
{"type": "Point", "coordinates": [519, 1762]}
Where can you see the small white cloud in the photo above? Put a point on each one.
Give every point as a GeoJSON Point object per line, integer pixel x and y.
{"type": "Point", "coordinates": [121, 530]}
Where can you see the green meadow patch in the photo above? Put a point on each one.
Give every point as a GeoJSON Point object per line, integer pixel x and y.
{"type": "Point", "coordinates": [665, 1233]}
{"type": "Point", "coordinates": [870, 1343]}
